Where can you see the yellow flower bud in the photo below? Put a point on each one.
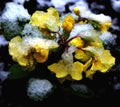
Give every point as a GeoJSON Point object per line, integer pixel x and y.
{"type": "Point", "coordinates": [104, 27]}
{"type": "Point", "coordinates": [78, 42]}
{"type": "Point", "coordinates": [68, 23]}
{"type": "Point", "coordinates": [76, 11]}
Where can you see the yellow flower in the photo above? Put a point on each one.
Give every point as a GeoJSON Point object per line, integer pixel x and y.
{"type": "Point", "coordinates": [62, 70]}
{"type": "Point", "coordinates": [36, 18]}
{"type": "Point", "coordinates": [87, 64]}
{"type": "Point", "coordinates": [102, 61]}
{"type": "Point", "coordinates": [20, 53]}
{"type": "Point", "coordinates": [81, 55]}
{"type": "Point", "coordinates": [46, 20]}
{"type": "Point", "coordinates": [76, 11]}
{"type": "Point", "coordinates": [40, 54]}
{"type": "Point", "coordinates": [25, 50]}
{"type": "Point", "coordinates": [105, 26]}
{"type": "Point", "coordinates": [40, 47]}
{"type": "Point", "coordinates": [68, 23]}
{"type": "Point", "coordinates": [78, 42]}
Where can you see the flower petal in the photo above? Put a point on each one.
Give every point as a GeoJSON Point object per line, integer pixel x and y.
{"type": "Point", "coordinates": [59, 68]}
{"type": "Point", "coordinates": [76, 72]}
{"type": "Point", "coordinates": [78, 42]}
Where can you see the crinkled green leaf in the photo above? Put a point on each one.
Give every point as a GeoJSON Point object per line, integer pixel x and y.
{"type": "Point", "coordinates": [95, 24]}
{"type": "Point", "coordinates": [16, 72]}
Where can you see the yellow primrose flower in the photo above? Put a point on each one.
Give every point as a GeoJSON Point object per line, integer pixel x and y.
{"type": "Point", "coordinates": [46, 20]}
{"type": "Point", "coordinates": [96, 44]}
{"type": "Point", "coordinates": [40, 54]}
{"type": "Point", "coordinates": [105, 26]}
{"type": "Point", "coordinates": [20, 53]}
{"type": "Point", "coordinates": [78, 42]}
{"type": "Point", "coordinates": [106, 60]}
{"type": "Point", "coordinates": [54, 12]}
{"type": "Point", "coordinates": [102, 62]}
{"type": "Point", "coordinates": [36, 18]}
{"type": "Point", "coordinates": [25, 50]}
{"type": "Point", "coordinates": [81, 55]}
{"type": "Point", "coordinates": [40, 47]}
{"type": "Point", "coordinates": [68, 23]}
{"type": "Point", "coordinates": [87, 64]}
{"type": "Point", "coordinates": [97, 66]}
{"type": "Point", "coordinates": [62, 70]}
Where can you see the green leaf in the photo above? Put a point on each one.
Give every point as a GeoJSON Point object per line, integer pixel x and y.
{"type": "Point", "coordinates": [16, 72]}
{"type": "Point", "coordinates": [82, 90]}
{"type": "Point", "coordinates": [95, 24]}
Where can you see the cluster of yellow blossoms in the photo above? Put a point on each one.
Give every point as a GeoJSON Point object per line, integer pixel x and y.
{"type": "Point", "coordinates": [80, 54]}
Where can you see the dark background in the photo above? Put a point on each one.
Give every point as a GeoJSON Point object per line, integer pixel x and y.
{"type": "Point", "coordinates": [105, 87]}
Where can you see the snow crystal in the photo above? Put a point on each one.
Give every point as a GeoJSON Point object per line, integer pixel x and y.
{"type": "Point", "coordinates": [3, 41]}
{"type": "Point", "coordinates": [45, 43]}
{"type": "Point", "coordinates": [94, 5]}
{"type": "Point", "coordinates": [86, 13]}
{"type": "Point", "coordinates": [15, 11]}
{"type": "Point", "coordinates": [38, 89]}
{"type": "Point", "coordinates": [44, 3]}
{"type": "Point", "coordinates": [3, 74]}
{"type": "Point", "coordinates": [82, 30]}
{"type": "Point", "coordinates": [80, 3]}
{"type": "Point", "coordinates": [116, 5]}
{"type": "Point", "coordinates": [20, 1]}
{"type": "Point", "coordinates": [60, 4]}
{"type": "Point", "coordinates": [32, 31]}
{"type": "Point", "coordinates": [115, 25]}
{"type": "Point", "coordinates": [108, 38]}
{"type": "Point", "coordinates": [11, 19]}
